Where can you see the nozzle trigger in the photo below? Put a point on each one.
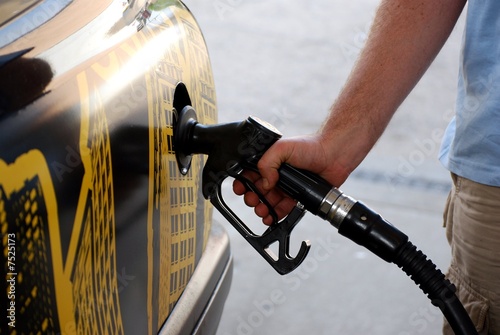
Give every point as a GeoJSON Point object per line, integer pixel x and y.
{"type": "Point", "coordinates": [278, 232]}
{"type": "Point", "coordinates": [251, 187]}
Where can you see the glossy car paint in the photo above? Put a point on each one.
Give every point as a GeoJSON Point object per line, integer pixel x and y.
{"type": "Point", "coordinates": [105, 230]}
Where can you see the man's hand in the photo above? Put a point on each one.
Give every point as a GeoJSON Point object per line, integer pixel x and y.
{"type": "Point", "coordinates": [305, 153]}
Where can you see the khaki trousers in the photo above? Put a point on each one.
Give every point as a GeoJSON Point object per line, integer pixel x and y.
{"type": "Point", "coordinates": [472, 220]}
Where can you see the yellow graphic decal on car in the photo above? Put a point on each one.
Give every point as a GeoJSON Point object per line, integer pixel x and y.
{"type": "Point", "coordinates": [28, 203]}
{"type": "Point", "coordinates": [173, 198]}
{"type": "Point", "coordinates": [73, 271]}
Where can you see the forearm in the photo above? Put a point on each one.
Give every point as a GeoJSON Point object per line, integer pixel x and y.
{"type": "Point", "coordinates": [404, 39]}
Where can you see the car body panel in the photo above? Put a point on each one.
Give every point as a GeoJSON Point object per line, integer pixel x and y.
{"type": "Point", "coordinates": [208, 290]}
{"type": "Point", "coordinates": [106, 232]}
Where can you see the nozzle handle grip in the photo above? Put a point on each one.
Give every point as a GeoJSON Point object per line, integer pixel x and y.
{"type": "Point", "coordinates": [303, 186]}
{"type": "Point", "coordinates": [306, 187]}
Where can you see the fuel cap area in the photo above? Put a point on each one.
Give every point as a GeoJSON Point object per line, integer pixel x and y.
{"type": "Point", "coordinates": [184, 118]}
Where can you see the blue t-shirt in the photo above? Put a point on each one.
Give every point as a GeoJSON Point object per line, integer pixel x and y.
{"type": "Point", "coordinates": [471, 144]}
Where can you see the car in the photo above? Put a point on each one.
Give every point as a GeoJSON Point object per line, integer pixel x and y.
{"type": "Point", "coordinates": [101, 233]}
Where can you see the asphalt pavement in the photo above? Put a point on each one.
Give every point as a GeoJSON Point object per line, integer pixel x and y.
{"type": "Point", "coordinates": [285, 62]}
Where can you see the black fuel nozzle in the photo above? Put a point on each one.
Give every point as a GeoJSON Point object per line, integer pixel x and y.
{"type": "Point", "coordinates": [232, 148]}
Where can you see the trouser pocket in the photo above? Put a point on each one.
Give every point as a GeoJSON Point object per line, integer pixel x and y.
{"type": "Point", "coordinates": [475, 304]}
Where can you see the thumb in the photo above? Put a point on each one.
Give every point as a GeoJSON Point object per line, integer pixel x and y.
{"type": "Point", "coordinates": [279, 153]}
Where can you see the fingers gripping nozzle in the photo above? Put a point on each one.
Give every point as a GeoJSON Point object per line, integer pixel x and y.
{"type": "Point", "coordinates": [232, 148]}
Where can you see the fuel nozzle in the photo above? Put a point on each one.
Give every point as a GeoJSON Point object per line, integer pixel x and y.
{"type": "Point", "coordinates": [232, 148]}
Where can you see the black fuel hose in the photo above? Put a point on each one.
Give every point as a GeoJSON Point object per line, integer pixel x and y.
{"type": "Point", "coordinates": [359, 223]}
{"type": "Point", "coordinates": [439, 290]}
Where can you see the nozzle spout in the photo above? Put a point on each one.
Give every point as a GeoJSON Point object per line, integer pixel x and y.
{"type": "Point", "coordinates": [184, 122]}
{"type": "Point", "coordinates": [227, 145]}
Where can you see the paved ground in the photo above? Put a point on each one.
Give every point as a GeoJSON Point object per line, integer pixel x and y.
{"type": "Point", "coordinates": [285, 61]}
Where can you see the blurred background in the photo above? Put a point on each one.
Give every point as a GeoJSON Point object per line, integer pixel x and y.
{"type": "Point", "coordinates": [285, 62]}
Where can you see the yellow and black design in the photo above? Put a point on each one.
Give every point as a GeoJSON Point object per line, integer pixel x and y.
{"type": "Point", "coordinates": [28, 205]}
{"type": "Point", "coordinates": [81, 294]}
{"type": "Point", "coordinates": [70, 277]}
{"type": "Point", "coordinates": [92, 251]}
{"type": "Point", "coordinates": [173, 198]}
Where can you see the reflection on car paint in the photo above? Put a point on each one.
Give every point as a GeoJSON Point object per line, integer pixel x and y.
{"type": "Point", "coordinates": [88, 274]}
{"type": "Point", "coordinates": [34, 17]}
